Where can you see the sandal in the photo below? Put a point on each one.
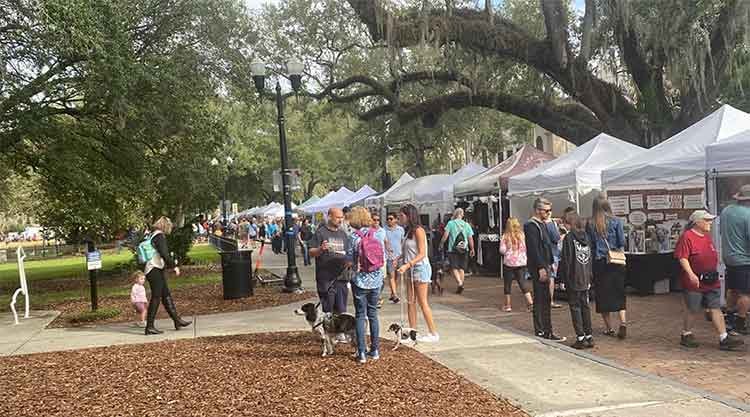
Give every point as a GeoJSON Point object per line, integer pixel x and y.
{"type": "Point", "coordinates": [507, 309]}
{"type": "Point", "coordinates": [609, 332]}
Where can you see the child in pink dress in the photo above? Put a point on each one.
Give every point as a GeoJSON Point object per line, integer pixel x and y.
{"type": "Point", "coordinates": [138, 297]}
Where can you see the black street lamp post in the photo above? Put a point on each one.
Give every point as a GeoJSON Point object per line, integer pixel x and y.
{"type": "Point", "coordinates": [292, 281]}
{"type": "Point", "coordinates": [215, 162]}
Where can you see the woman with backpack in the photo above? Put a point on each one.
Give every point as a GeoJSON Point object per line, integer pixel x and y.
{"type": "Point", "coordinates": [368, 259]}
{"type": "Point", "coordinates": [415, 261]}
{"type": "Point", "coordinates": [154, 270]}
{"type": "Point", "coordinates": [459, 234]}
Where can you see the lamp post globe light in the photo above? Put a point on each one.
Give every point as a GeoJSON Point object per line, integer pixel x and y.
{"type": "Point", "coordinates": [215, 163]}
{"type": "Point", "coordinates": [292, 281]}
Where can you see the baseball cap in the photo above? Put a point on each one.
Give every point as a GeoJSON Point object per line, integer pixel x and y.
{"type": "Point", "coordinates": [701, 215]}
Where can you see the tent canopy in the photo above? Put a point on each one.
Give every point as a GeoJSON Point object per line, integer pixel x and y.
{"type": "Point", "coordinates": [432, 189]}
{"type": "Point", "coordinates": [379, 199]}
{"type": "Point", "coordinates": [336, 199]}
{"type": "Point", "coordinates": [679, 161]}
{"type": "Point", "coordinates": [312, 200]}
{"type": "Point", "coordinates": [730, 155]}
{"type": "Point", "coordinates": [494, 179]}
{"type": "Point", "coordinates": [577, 172]}
{"type": "Point", "coordinates": [360, 195]}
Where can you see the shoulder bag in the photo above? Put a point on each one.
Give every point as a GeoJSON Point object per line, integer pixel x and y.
{"type": "Point", "coordinates": [615, 257]}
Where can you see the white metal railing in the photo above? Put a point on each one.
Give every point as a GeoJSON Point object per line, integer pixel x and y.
{"type": "Point", "coordinates": [21, 255]}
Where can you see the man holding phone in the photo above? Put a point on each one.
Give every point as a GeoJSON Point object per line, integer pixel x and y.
{"type": "Point", "coordinates": [329, 247]}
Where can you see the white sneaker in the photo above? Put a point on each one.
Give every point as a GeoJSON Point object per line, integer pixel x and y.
{"type": "Point", "coordinates": [429, 338]}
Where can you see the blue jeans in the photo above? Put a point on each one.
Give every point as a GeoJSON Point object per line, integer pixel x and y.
{"type": "Point", "coordinates": [305, 252]}
{"type": "Point", "coordinates": [366, 307]}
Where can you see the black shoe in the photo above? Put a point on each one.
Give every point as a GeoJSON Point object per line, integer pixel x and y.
{"type": "Point", "coordinates": [555, 338]}
{"type": "Point", "coordinates": [152, 330]}
{"type": "Point", "coordinates": [688, 340]}
{"type": "Point", "coordinates": [622, 333]}
{"type": "Point", "coordinates": [589, 342]}
{"type": "Point", "coordinates": [460, 289]}
{"type": "Point", "coordinates": [732, 343]}
{"type": "Point", "coordinates": [580, 344]}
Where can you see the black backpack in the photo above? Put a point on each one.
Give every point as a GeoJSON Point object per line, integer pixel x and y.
{"type": "Point", "coordinates": [460, 245]}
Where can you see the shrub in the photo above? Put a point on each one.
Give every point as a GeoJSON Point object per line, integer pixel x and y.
{"type": "Point", "coordinates": [92, 316]}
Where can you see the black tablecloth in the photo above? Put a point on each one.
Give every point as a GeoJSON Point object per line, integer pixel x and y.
{"type": "Point", "coordinates": [490, 256]}
{"type": "Point", "coordinates": [643, 270]}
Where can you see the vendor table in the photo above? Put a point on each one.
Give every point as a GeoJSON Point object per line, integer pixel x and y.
{"type": "Point", "coordinates": [644, 269]}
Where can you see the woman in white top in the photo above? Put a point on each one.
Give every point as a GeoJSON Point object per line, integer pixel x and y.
{"type": "Point", "coordinates": [415, 262]}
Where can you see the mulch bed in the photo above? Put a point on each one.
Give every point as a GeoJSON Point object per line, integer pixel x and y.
{"type": "Point", "coordinates": [279, 374]}
{"type": "Point", "coordinates": [198, 299]}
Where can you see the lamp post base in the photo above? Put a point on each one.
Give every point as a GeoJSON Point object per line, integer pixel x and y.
{"type": "Point", "coordinates": [292, 281]}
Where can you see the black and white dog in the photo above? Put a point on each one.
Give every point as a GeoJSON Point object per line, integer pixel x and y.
{"type": "Point", "coordinates": [330, 327]}
{"type": "Point", "coordinates": [403, 335]}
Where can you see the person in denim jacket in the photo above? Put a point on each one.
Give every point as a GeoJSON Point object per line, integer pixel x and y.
{"type": "Point", "coordinates": [606, 233]}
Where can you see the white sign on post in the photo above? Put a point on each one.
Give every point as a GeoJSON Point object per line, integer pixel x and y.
{"type": "Point", "coordinates": [93, 260]}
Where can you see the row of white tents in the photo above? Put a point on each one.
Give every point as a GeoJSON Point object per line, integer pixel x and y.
{"type": "Point", "coordinates": [576, 178]}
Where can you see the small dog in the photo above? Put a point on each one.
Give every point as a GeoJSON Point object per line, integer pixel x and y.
{"type": "Point", "coordinates": [403, 334]}
{"type": "Point", "coordinates": [331, 328]}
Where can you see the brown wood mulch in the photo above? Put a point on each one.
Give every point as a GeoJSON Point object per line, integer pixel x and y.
{"type": "Point", "coordinates": [198, 299]}
{"type": "Point", "coordinates": [278, 374]}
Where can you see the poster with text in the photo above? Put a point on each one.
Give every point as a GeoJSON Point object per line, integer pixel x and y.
{"type": "Point", "coordinates": [636, 201]}
{"type": "Point", "coordinates": [620, 205]}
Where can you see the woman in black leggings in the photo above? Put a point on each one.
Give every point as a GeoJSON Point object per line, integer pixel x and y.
{"type": "Point", "coordinates": [157, 279]}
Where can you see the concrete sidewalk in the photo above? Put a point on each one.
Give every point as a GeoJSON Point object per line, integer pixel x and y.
{"type": "Point", "coordinates": [542, 378]}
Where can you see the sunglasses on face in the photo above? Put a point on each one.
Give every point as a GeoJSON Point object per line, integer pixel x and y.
{"type": "Point", "coordinates": [545, 210]}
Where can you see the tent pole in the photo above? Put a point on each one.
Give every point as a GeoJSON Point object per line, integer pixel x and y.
{"type": "Point", "coordinates": [500, 228]}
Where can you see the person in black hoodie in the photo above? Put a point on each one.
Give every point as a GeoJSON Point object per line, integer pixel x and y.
{"type": "Point", "coordinates": [157, 282]}
{"type": "Point", "coordinates": [575, 271]}
{"type": "Point", "coordinates": [539, 264]}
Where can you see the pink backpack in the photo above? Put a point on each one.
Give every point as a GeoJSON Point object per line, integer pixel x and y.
{"type": "Point", "coordinates": [371, 257]}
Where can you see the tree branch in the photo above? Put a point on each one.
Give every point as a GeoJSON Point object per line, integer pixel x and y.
{"type": "Point", "coordinates": [570, 121]}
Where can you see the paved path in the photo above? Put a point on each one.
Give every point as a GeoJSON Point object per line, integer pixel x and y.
{"type": "Point", "coordinates": [502, 361]}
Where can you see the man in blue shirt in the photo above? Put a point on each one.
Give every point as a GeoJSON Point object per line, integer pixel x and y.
{"type": "Point", "coordinates": [394, 239]}
{"type": "Point", "coordinates": [735, 251]}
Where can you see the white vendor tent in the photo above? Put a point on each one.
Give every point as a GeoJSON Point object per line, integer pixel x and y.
{"type": "Point", "coordinates": [359, 196]}
{"type": "Point", "coordinates": [678, 162]}
{"type": "Point", "coordinates": [730, 155]}
{"type": "Point", "coordinates": [572, 179]}
{"type": "Point", "coordinates": [431, 189]}
{"type": "Point", "coordinates": [275, 210]}
{"type": "Point", "coordinates": [331, 200]}
{"type": "Point", "coordinates": [378, 200]}
{"type": "Point", "coordinates": [310, 201]}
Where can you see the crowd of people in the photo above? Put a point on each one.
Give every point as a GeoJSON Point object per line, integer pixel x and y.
{"type": "Point", "coordinates": [353, 252]}
{"type": "Point", "coordinates": [586, 256]}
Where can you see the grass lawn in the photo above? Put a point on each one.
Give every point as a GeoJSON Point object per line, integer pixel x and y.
{"type": "Point", "coordinates": [75, 267]}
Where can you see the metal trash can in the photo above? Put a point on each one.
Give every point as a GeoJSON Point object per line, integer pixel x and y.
{"type": "Point", "coordinates": [237, 274]}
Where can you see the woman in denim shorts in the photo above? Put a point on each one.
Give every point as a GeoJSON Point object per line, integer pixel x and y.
{"type": "Point", "coordinates": [417, 268]}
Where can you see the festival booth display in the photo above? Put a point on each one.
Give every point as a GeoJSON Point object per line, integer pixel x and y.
{"type": "Point", "coordinates": [656, 192]}
{"type": "Point", "coordinates": [488, 192]}
{"type": "Point", "coordinates": [573, 179]}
